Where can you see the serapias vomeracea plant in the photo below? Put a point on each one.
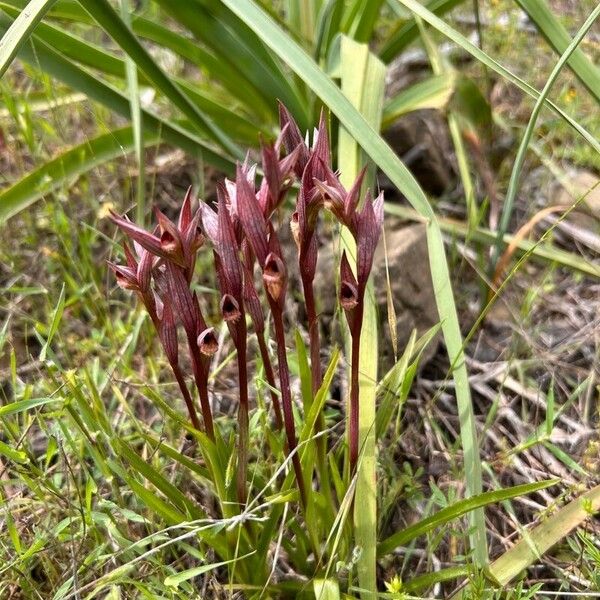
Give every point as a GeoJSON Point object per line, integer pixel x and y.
{"type": "Point", "coordinates": [244, 241]}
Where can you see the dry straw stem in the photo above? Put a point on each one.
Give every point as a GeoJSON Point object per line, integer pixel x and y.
{"type": "Point", "coordinates": [366, 93]}
{"type": "Point", "coordinates": [540, 539]}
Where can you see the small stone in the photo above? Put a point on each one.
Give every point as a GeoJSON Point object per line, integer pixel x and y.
{"type": "Point", "coordinates": [586, 184]}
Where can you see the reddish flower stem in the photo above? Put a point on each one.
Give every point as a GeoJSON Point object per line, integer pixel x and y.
{"type": "Point", "coordinates": [286, 397]}
{"type": "Point", "coordinates": [316, 379]}
{"type": "Point", "coordinates": [270, 375]}
{"type": "Point", "coordinates": [242, 470]}
{"type": "Point", "coordinates": [200, 368]}
{"type": "Point", "coordinates": [185, 392]}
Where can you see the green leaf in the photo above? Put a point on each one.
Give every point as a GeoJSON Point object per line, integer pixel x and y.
{"type": "Point", "coordinates": [148, 472]}
{"type": "Point", "coordinates": [235, 43]}
{"type": "Point", "coordinates": [18, 33]}
{"type": "Point", "coordinates": [176, 580]}
{"type": "Point", "coordinates": [422, 582]}
{"type": "Point", "coordinates": [87, 54]}
{"type": "Point", "coordinates": [328, 26]}
{"type": "Point", "coordinates": [17, 456]}
{"type": "Point", "coordinates": [433, 92]}
{"type": "Point", "coordinates": [558, 37]}
{"type": "Point", "coordinates": [360, 21]}
{"type": "Point", "coordinates": [219, 69]}
{"type": "Point", "coordinates": [390, 164]}
{"type": "Point", "coordinates": [450, 513]}
{"type": "Point", "coordinates": [326, 589]}
{"type": "Point", "coordinates": [537, 541]}
{"type": "Point", "coordinates": [25, 405]}
{"type": "Point", "coordinates": [363, 83]}
{"type": "Point", "coordinates": [56, 317]}
{"type": "Point", "coordinates": [41, 55]}
{"type": "Point", "coordinates": [319, 401]}
{"type": "Point", "coordinates": [136, 122]}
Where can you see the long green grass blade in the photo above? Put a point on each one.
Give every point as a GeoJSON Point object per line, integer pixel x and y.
{"type": "Point", "coordinates": [540, 539]}
{"type": "Point", "coordinates": [219, 69]}
{"type": "Point", "coordinates": [515, 174]}
{"type": "Point", "coordinates": [558, 37]}
{"type": "Point", "coordinates": [56, 317]}
{"type": "Point", "coordinates": [68, 166]}
{"type": "Point", "coordinates": [362, 16]}
{"type": "Point", "coordinates": [458, 509]}
{"type": "Point", "coordinates": [301, 18]}
{"type": "Point", "coordinates": [136, 121]}
{"type": "Point", "coordinates": [389, 163]}
{"type": "Point", "coordinates": [328, 26]}
{"type": "Point", "coordinates": [441, 68]}
{"type": "Point", "coordinates": [18, 33]}
{"type": "Point", "coordinates": [175, 580]}
{"type": "Point", "coordinates": [363, 82]}
{"type": "Point", "coordinates": [422, 582]}
{"type": "Point", "coordinates": [25, 405]}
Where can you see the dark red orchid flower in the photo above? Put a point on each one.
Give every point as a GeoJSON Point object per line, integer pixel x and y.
{"type": "Point", "coordinates": [167, 257]}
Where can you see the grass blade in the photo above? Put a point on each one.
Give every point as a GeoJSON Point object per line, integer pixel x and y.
{"type": "Point", "coordinates": [84, 53]}
{"type": "Point", "coordinates": [56, 317]}
{"type": "Point", "coordinates": [422, 582]}
{"type": "Point", "coordinates": [220, 70]}
{"type": "Point", "coordinates": [363, 82]}
{"type": "Point", "coordinates": [24, 405]}
{"type": "Point", "coordinates": [175, 580]}
{"type": "Point", "coordinates": [18, 33]}
{"type": "Point", "coordinates": [542, 251]}
{"type": "Point", "coordinates": [433, 92]}
{"type": "Point", "coordinates": [233, 42]}
{"type": "Point", "coordinates": [462, 507]}
{"type": "Point", "coordinates": [390, 164]}
{"type": "Point", "coordinates": [541, 538]}
{"type": "Point", "coordinates": [326, 589]}
{"type": "Point", "coordinates": [136, 121]}
{"type": "Point", "coordinates": [362, 18]}
{"type": "Point", "coordinates": [41, 55]}
{"type": "Point", "coordinates": [408, 32]}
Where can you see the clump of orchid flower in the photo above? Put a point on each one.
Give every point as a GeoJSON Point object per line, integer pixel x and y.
{"type": "Point", "coordinates": [244, 241]}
